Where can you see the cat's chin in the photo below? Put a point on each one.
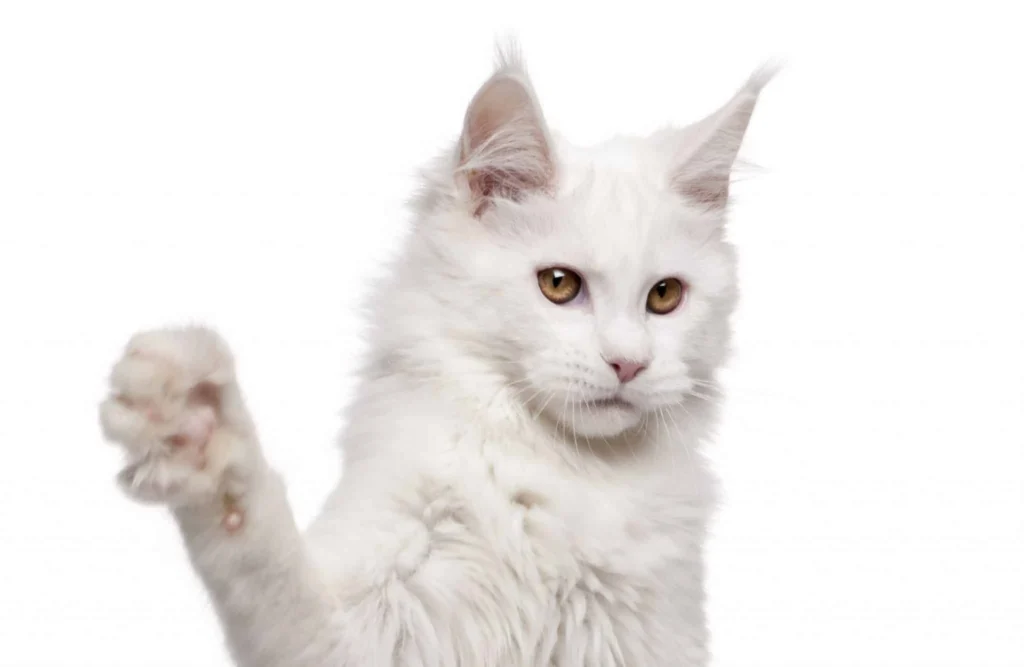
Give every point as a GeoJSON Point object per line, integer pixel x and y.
{"type": "Point", "coordinates": [603, 419]}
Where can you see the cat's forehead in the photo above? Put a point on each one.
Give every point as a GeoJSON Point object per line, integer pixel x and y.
{"type": "Point", "coordinates": [615, 203]}
{"type": "Point", "coordinates": [622, 158]}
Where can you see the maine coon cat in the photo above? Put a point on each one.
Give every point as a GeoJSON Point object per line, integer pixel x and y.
{"type": "Point", "coordinates": [523, 481]}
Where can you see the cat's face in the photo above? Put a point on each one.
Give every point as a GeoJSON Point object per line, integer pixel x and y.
{"type": "Point", "coordinates": [605, 304]}
{"type": "Point", "coordinates": [596, 281]}
{"type": "Point", "coordinates": [649, 315]}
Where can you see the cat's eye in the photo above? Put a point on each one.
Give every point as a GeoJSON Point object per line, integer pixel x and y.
{"type": "Point", "coordinates": [665, 296]}
{"type": "Point", "coordinates": [559, 285]}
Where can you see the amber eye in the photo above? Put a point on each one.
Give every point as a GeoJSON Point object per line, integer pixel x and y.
{"type": "Point", "coordinates": [665, 296]}
{"type": "Point", "coordinates": [559, 285]}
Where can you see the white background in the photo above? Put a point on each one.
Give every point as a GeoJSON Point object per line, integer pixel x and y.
{"type": "Point", "coordinates": [245, 165]}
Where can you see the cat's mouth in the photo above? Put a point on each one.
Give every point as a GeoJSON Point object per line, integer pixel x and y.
{"type": "Point", "coordinates": [613, 402]}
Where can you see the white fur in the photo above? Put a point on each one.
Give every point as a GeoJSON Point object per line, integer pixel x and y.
{"type": "Point", "coordinates": [491, 513]}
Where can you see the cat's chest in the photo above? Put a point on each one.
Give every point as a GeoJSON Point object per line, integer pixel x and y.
{"type": "Point", "coordinates": [573, 564]}
{"type": "Point", "coordinates": [554, 512]}
{"type": "Point", "coordinates": [621, 521]}
{"type": "Point", "coordinates": [506, 560]}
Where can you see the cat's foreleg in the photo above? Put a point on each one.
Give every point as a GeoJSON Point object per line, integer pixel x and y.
{"type": "Point", "coordinates": [176, 409]}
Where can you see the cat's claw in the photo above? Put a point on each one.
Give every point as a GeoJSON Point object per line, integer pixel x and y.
{"type": "Point", "coordinates": [174, 408]}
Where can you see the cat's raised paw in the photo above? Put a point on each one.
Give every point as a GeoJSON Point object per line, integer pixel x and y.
{"type": "Point", "coordinates": [174, 407]}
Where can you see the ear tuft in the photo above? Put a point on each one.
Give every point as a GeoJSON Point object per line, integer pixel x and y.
{"type": "Point", "coordinates": [505, 151]}
{"type": "Point", "coordinates": [508, 56]}
{"type": "Point", "coordinates": [763, 75]}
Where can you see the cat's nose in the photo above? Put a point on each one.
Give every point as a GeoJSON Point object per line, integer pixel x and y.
{"type": "Point", "coordinates": [626, 370]}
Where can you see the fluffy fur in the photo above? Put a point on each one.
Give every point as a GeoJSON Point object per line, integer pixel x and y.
{"type": "Point", "coordinates": [496, 509]}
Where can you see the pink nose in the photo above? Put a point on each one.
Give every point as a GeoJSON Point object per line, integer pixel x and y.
{"type": "Point", "coordinates": [626, 370]}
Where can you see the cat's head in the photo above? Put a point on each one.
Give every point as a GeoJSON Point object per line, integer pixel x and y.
{"type": "Point", "coordinates": [596, 281]}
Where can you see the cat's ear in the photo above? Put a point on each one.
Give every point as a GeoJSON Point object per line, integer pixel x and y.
{"type": "Point", "coordinates": [703, 166]}
{"type": "Point", "coordinates": [505, 150]}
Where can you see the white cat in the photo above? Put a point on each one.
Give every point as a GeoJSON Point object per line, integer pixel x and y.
{"type": "Point", "coordinates": [523, 483]}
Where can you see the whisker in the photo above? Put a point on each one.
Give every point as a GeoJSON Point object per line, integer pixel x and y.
{"type": "Point", "coordinates": [679, 431]}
